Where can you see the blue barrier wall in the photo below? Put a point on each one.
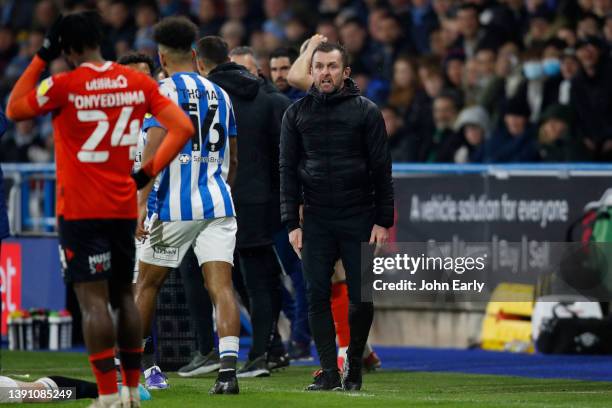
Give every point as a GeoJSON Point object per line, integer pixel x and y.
{"type": "Point", "coordinates": [41, 278]}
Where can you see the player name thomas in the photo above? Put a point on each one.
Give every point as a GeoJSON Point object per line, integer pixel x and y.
{"type": "Point", "coordinates": [455, 285]}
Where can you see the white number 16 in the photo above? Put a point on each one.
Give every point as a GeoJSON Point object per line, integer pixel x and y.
{"type": "Point", "coordinates": [88, 152]}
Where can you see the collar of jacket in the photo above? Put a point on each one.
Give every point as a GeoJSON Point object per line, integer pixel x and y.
{"type": "Point", "coordinates": [349, 90]}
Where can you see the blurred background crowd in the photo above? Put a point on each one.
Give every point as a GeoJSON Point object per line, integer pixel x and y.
{"type": "Point", "coordinates": [473, 81]}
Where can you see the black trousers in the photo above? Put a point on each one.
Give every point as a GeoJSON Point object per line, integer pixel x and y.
{"type": "Point", "coordinates": [198, 301]}
{"type": "Point", "coordinates": [261, 272]}
{"type": "Point", "coordinates": [325, 240]}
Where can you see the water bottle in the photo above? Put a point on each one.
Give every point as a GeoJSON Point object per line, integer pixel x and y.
{"type": "Point", "coordinates": [66, 331]}
{"type": "Point", "coordinates": [13, 331]}
{"type": "Point", "coordinates": [54, 331]}
{"type": "Point", "coordinates": [28, 335]}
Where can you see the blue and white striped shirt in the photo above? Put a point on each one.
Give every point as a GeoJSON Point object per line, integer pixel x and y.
{"type": "Point", "coordinates": [194, 185]}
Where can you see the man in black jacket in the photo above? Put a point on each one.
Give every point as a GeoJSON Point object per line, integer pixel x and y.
{"type": "Point", "coordinates": [252, 192]}
{"type": "Point", "coordinates": [334, 145]}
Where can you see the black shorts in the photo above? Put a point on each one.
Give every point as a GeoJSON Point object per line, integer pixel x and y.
{"type": "Point", "coordinates": [97, 249]}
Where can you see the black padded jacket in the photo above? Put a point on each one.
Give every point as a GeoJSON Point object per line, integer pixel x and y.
{"type": "Point", "coordinates": [335, 147]}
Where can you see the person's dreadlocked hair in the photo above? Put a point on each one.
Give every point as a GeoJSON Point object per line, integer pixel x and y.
{"type": "Point", "coordinates": [175, 33]}
{"type": "Point", "coordinates": [81, 31]}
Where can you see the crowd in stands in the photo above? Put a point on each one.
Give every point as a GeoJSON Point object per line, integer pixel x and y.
{"type": "Point", "coordinates": [472, 81]}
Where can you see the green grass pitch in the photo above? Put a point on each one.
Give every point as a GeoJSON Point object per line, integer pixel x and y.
{"type": "Point", "coordinates": [381, 389]}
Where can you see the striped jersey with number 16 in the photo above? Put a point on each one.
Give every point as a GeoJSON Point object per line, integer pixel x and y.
{"type": "Point", "coordinates": [194, 186]}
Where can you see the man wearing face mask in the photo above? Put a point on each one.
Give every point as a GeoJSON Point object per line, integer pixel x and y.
{"type": "Point", "coordinates": [551, 67]}
{"type": "Point", "coordinates": [531, 90]}
{"type": "Point", "coordinates": [334, 144]}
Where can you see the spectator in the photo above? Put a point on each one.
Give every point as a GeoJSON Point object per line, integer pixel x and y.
{"type": "Point", "coordinates": [551, 66]}
{"type": "Point", "coordinates": [454, 67]}
{"type": "Point", "coordinates": [505, 82]}
{"type": "Point", "coordinates": [24, 145]}
{"type": "Point", "coordinates": [238, 10]}
{"type": "Point", "coordinates": [556, 142]}
{"type": "Point", "coordinates": [588, 26]}
{"type": "Point", "coordinates": [364, 54]}
{"type": "Point", "coordinates": [539, 28]}
{"type": "Point", "coordinates": [8, 47]}
{"type": "Point", "coordinates": [405, 85]}
{"type": "Point", "coordinates": [591, 96]}
{"type": "Point", "coordinates": [568, 35]}
{"type": "Point", "coordinates": [233, 33]}
{"type": "Point", "coordinates": [45, 14]}
{"type": "Point", "coordinates": [394, 43]}
{"type": "Point", "coordinates": [17, 14]}
{"type": "Point", "coordinates": [280, 63]}
{"type": "Point", "coordinates": [513, 140]}
{"type": "Point", "coordinates": [120, 37]}
{"type": "Point", "coordinates": [441, 145]}
{"type": "Point", "coordinates": [570, 66]}
{"type": "Point", "coordinates": [474, 128]}
{"type": "Point", "coordinates": [375, 18]}
{"type": "Point", "coordinates": [442, 8]}
{"type": "Point", "coordinates": [531, 90]}
{"type": "Point", "coordinates": [296, 30]}
{"type": "Point", "coordinates": [209, 17]}
{"type": "Point", "coordinates": [471, 35]}
{"type": "Point", "coordinates": [146, 16]}
{"type": "Point", "coordinates": [328, 29]}
{"type": "Point", "coordinates": [20, 62]}
{"type": "Point", "coordinates": [401, 146]}
{"type": "Point", "coordinates": [485, 61]}
{"type": "Point", "coordinates": [423, 21]}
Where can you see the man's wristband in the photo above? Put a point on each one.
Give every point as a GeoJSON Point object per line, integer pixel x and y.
{"type": "Point", "coordinates": [141, 178]}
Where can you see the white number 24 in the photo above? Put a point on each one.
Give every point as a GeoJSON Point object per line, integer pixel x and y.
{"type": "Point", "coordinates": [88, 152]}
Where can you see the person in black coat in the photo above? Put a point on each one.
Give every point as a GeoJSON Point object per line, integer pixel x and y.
{"type": "Point", "coordinates": [253, 192]}
{"type": "Point", "coordinates": [334, 145]}
{"type": "Point", "coordinates": [591, 97]}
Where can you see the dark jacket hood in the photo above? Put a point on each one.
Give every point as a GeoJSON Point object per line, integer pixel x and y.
{"type": "Point", "coordinates": [235, 80]}
{"type": "Point", "coordinates": [349, 90]}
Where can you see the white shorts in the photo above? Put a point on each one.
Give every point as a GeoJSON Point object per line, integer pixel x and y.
{"type": "Point", "coordinates": [168, 241]}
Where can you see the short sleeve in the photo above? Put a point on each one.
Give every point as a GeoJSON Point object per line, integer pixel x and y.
{"type": "Point", "coordinates": [232, 130]}
{"type": "Point", "coordinates": [149, 122]}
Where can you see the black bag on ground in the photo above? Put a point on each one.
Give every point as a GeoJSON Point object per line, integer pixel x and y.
{"type": "Point", "coordinates": [573, 335]}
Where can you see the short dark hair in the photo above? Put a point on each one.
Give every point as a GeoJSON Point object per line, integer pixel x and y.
{"type": "Point", "coordinates": [177, 33]}
{"type": "Point", "coordinates": [451, 96]}
{"type": "Point", "coordinates": [329, 47]}
{"type": "Point", "coordinates": [214, 49]}
{"type": "Point", "coordinates": [285, 52]}
{"type": "Point", "coordinates": [137, 58]}
{"type": "Point", "coordinates": [81, 31]}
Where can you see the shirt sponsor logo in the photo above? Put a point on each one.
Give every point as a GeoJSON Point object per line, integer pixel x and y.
{"type": "Point", "coordinates": [99, 263]}
{"type": "Point", "coordinates": [107, 83]}
{"type": "Point", "coordinates": [208, 159]}
{"type": "Point", "coordinates": [165, 253]}
{"type": "Point", "coordinates": [184, 158]}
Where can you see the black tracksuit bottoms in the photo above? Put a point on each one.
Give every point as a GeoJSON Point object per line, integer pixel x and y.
{"type": "Point", "coordinates": [325, 240]}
